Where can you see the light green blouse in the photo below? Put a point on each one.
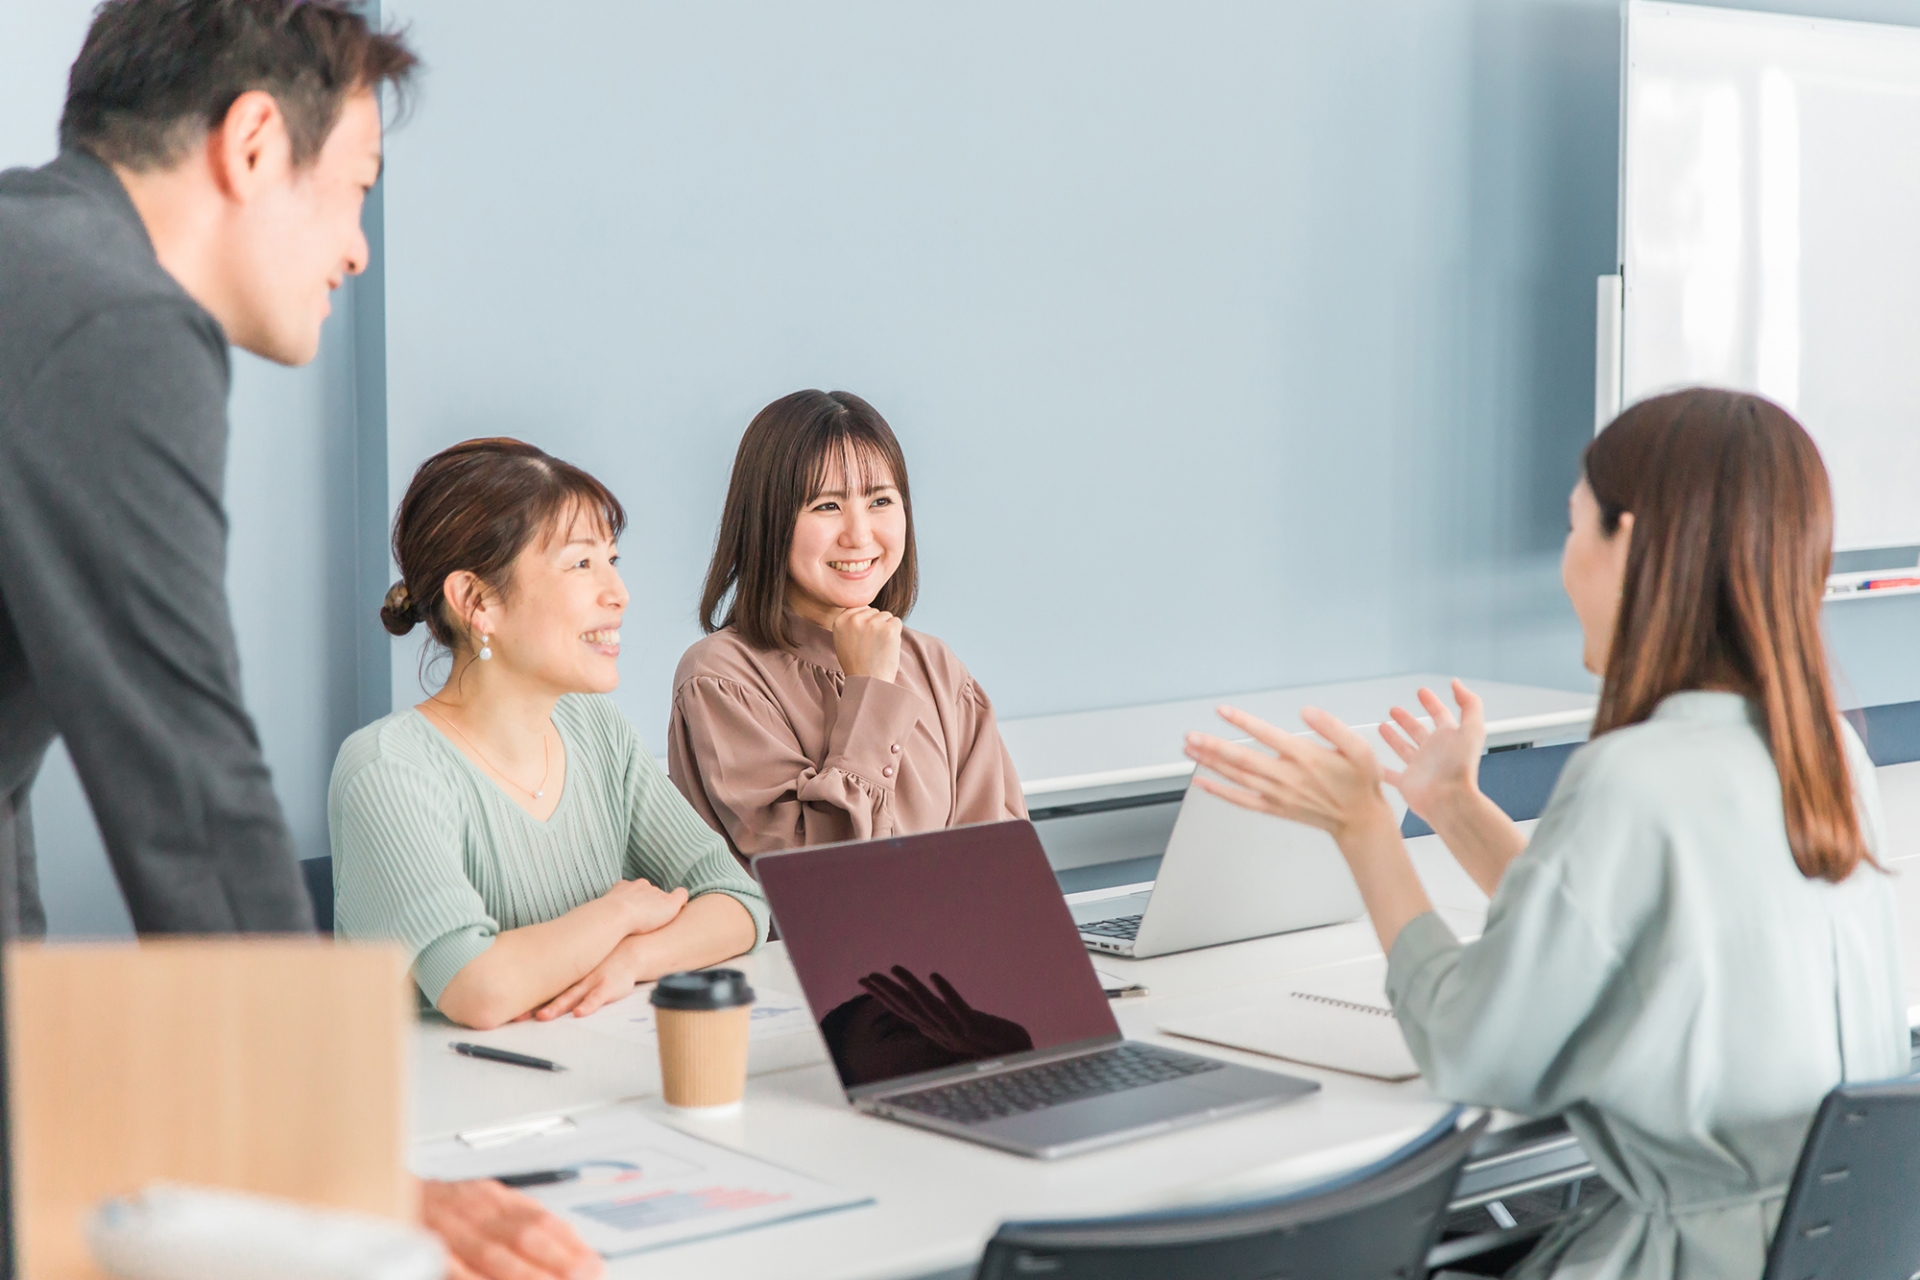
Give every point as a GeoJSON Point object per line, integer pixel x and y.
{"type": "Point", "coordinates": [1656, 967]}
{"type": "Point", "coordinates": [430, 852]}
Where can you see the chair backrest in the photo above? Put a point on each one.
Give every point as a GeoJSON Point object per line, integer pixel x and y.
{"type": "Point", "coordinates": [318, 873]}
{"type": "Point", "coordinates": [1853, 1212]}
{"type": "Point", "coordinates": [1377, 1224]}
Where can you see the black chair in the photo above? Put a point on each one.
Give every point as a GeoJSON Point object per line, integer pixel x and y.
{"type": "Point", "coordinates": [1853, 1212]}
{"type": "Point", "coordinates": [318, 873]}
{"type": "Point", "coordinates": [1375, 1224]}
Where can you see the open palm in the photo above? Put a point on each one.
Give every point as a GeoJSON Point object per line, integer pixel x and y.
{"type": "Point", "coordinates": [946, 1018]}
{"type": "Point", "coordinates": [1442, 762]}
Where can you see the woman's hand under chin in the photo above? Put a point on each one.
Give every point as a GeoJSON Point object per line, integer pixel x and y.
{"type": "Point", "coordinates": [1336, 789]}
{"type": "Point", "coordinates": [1442, 763]}
{"type": "Point", "coordinates": [866, 641]}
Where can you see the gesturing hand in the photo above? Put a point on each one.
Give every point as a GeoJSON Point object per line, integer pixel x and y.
{"type": "Point", "coordinates": [495, 1233]}
{"type": "Point", "coordinates": [867, 643]}
{"type": "Point", "coordinates": [1333, 789]}
{"type": "Point", "coordinates": [1443, 763]}
{"type": "Point", "coordinates": [946, 1019]}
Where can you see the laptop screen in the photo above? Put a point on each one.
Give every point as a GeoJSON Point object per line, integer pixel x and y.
{"type": "Point", "coordinates": [925, 952]}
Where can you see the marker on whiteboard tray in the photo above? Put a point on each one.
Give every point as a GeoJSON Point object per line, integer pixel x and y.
{"type": "Point", "coordinates": [1870, 584]}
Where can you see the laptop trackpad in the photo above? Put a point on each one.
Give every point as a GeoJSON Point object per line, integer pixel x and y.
{"type": "Point", "coordinates": [1131, 904]}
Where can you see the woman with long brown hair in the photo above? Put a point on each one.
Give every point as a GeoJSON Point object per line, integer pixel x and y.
{"type": "Point", "coordinates": [1697, 942]}
{"type": "Point", "coordinates": [811, 713]}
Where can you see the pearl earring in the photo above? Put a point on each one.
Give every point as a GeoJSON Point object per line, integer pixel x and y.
{"type": "Point", "coordinates": [486, 652]}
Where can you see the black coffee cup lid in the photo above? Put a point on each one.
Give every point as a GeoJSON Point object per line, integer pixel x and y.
{"type": "Point", "coordinates": [703, 989]}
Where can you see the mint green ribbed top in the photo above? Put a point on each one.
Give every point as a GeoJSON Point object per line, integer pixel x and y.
{"type": "Point", "coordinates": [430, 852]}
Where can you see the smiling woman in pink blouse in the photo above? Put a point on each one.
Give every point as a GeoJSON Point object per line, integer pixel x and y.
{"type": "Point", "coordinates": [810, 713]}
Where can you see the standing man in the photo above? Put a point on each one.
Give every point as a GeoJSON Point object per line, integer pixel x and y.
{"type": "Point", "coordinates": [214, 158]}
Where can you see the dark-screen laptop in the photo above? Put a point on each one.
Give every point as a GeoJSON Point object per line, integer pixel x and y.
{"type": "Point", "coordinates": [954, 993]}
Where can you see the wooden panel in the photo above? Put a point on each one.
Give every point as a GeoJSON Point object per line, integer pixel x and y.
{"type": "Point", "coordinates": [275, 1066]}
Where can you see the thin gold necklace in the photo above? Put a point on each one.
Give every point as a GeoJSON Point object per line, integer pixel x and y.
{"type": "Point", "coordinates": [546, 760]}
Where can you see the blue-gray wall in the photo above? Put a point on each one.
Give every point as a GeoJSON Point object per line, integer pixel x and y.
{"type": "Point", "coordinates": [1232, 344]}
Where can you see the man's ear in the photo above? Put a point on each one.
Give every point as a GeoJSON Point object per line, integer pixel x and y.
{"type": "Point", "coordinates": [250, 146]}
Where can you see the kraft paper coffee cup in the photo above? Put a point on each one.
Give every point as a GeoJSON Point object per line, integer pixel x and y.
{"type": "Point", "coordinates": [702, 1022]}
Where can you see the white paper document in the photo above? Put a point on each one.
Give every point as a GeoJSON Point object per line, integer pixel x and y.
{"type": "Point", "coordinates": [1336, 1018]}
{"type": "Point", "coordinates": [775, 1013]}
{"type": "Point", "coordinates": [635, 1184]}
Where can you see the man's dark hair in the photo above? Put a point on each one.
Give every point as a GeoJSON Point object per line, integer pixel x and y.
{"type": "Point", "coordinates": [156, 75]}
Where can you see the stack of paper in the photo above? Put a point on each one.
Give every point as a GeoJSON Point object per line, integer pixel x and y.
{"type": "Point", "coordinates": [632, 1184]}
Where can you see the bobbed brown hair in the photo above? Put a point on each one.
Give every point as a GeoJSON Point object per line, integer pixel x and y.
{"type": "Point", "coordinates": [476, 507]}
{"type": "Point", "coordinates": [1731, 543]}
{"type": "Point", "coordinates": [784, 460]}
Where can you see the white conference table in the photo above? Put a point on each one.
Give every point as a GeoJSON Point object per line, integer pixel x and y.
{"type": "Point", "coordinates": [936, 1199]}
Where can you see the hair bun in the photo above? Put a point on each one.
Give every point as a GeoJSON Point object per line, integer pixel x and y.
{"type": "Point", "coordinates": [396, 612]}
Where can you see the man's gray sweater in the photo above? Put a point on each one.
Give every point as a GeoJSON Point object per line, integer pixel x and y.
{"type": "Point", "coordinates": [114, 628]}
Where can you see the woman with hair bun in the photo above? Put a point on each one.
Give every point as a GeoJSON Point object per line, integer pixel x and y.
{"type": "Point", "coordinates": [511, 830]}
{"type": "Point", "coordinates": [1696, 943]}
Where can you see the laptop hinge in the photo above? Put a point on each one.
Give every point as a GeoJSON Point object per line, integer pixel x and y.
{"type": "Point", "coordinates": [868, 1093]}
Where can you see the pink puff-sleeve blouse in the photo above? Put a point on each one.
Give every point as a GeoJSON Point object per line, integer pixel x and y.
{"type": "Point", "coordinates": [779, 748]}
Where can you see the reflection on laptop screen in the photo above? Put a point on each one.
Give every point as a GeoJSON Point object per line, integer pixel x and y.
{"type": "Point", "coordinates": [929, 951]}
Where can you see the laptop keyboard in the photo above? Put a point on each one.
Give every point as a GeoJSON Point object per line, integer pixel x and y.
{"type": "Point", "coordinates": [1126, 927]}
{"type": "Point", "coordinates": [1051, 1084]}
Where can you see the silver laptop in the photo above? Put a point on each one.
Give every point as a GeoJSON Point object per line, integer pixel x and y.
{"type": "Point", "coordinates": [1228, 874]}
{"type": "Point", "coordinates": [953, 993]}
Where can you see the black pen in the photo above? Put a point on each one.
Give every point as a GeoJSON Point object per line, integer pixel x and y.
{"type": "Point", "coordinates": [541, 1178]}
{"type": "Point", "coordinates": [1122, 993]}
{"type": "Point", "coordinates": [502, 1055]}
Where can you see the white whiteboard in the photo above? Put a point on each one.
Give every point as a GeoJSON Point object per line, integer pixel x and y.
{"type": "Point", "coordinates": [1770, 234]}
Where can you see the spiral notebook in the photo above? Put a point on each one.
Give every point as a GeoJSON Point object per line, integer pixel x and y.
{"type": "Point", "coordinates": [1334, 1018]}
